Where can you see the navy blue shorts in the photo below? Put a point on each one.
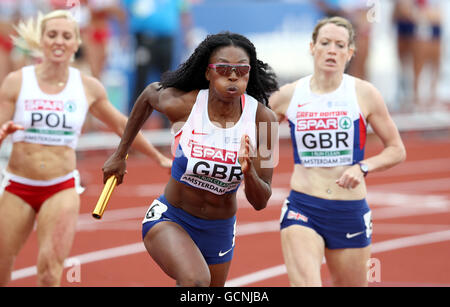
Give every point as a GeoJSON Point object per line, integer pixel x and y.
{"type": "Point", "coordinates": [406, 29]}
{"type": "Point", "coordinates": [341, 223]}
{"type": "Point", "coordinates": [214, 238]}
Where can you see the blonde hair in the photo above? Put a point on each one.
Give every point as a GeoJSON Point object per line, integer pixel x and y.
{"type": "Point", "coordinates": [30, 31]}
{"type": "Point", "coordinates": [340, 22]}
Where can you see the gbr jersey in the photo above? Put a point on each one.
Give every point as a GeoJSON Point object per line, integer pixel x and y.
{"type": "Point", "coordinates": [206, 155]}
{"type": "Point", "coordinates": [327, 130]}
{"type": "Point", "coordinates": [50, 119]}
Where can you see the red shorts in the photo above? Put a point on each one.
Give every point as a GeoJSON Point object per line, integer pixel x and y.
{"type": "Point", "coordinates": [99, 35]}
{"type": "Point", "coordinates": [36, 195]}
{"type": "Point", "coordinates": [6, 43]}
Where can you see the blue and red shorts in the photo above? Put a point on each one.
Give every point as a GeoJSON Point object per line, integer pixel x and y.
{"type": "Point", "coordinates": [341, 223]}
{"type": "Point", "coordinates": [214, 238]}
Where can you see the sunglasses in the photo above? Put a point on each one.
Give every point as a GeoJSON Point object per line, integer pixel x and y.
{"type": "Point", "coordinates": [225, 69]}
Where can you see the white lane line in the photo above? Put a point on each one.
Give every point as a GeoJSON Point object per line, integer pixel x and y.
{"type": "Point", "coordinates": [103, 254]}
{"type": "Point", "coordinates": [379, 247]}
{"type": "Point", "coordinates": [257, 276]}
{"type": "Point", "coordinates": [154, 189]}
{"type": "Point", "coordinates": [384, 205]}
{"type": "Point", "coordinates": [414, 186]}
{"type": "Point", "coordinates": [246, 229]}
{"type": "Point", "coordinates": [434, 166]}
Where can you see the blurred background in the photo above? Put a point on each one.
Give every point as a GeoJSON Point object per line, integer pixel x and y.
{"type": "Point", "coordinates": [401, 46]}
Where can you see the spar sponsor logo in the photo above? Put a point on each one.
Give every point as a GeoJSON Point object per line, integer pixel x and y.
{"type": "Point", "coordinates": [213, 169]}
{"type": "Point", "coordinates": [50, 105]}
{"type": "Point", "coordinates": [70, 106]}
{"type": "Point", "coordinates": [44, 105]}
{"type": "Point", "coordinates": [312, 124]}
{"type": "Point", "coordinates": [324, 123]}
{"type": "Point", "coordinates": [345, 122]}
{"type": "Point", "coordinates": [213, 154]}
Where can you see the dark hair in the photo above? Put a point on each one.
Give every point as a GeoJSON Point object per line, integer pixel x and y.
{"type": "Point", "coordinates": [190, 75]}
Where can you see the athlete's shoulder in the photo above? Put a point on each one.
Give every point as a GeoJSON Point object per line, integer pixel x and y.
{"type": "Point", "coordinates": [13, 77]}
{"type": "Point", "coordinates": [172, 93]}
{"type": "Point", "coordinates": [265, 114]}
{"type": "Point", "coordinates": [12, 83]}
{"type": "Point", "coordinates": [174, 103]}
{"type": "Point", "coordinates": [364, 85]}
{"type": "Point", "coordinates": [92, 86]}
{"type": "Point", "coordinates": [365, 89]}
{"type": "Point", "coordinates": [279, 101]}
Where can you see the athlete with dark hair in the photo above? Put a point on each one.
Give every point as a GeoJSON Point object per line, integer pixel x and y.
{"type": "Point", "coordinates": [212, 103]}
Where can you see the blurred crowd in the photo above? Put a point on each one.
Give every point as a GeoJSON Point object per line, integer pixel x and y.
{"type": "Point", "coordinates": [418, 29]}
{"type": "Point", "coordinates": [150, 27]}
{"type": "Point", "coordinates": [419, 44]}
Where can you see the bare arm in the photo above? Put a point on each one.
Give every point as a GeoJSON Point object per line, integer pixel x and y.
{"type": "Point", "coordinates": [168, 101]}
{"type": "Point", "coordinates": [377, 115]}
{"type": "Point", "coordinates": [279, 101]}
{"type": "Point", "coordinates": [9, 91]}
{"type": "Point", "coordinates": [384, 127]}
{"type": "Point", "coordinates": [257, 166]}
{"type": "Point", "coordinates": [102, 109]}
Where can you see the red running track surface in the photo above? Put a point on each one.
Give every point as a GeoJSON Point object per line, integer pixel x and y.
{"type": "Point", "coordinates": [411, 218]}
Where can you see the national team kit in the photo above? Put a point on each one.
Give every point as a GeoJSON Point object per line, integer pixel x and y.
{"type": "Point", "coordinates": [206, 157]}
{"type": "Point", "coordinates": [328, 130]}
{"type": "Point", "coordinates": [48, 119]}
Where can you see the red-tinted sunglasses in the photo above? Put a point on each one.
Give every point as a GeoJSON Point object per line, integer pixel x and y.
{"type": "Point", "coordinates": [225, 69]}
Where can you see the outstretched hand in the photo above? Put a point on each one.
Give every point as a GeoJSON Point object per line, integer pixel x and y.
{"type": "Point", "coordinates": [8, 128]}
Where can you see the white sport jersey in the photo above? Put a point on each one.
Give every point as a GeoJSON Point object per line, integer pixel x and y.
{"type": "Point", "coordinates": [50, 119]}
{"type": "Point", "coordinates": [206, 155]}
{"type": "Point", "coordinates": [326, 130]}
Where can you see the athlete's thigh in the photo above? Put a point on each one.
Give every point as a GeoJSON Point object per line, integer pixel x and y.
{"type": "Point", "coordinates": [174, 251]}
{"type": "Point", "coordinates": [56, 223]}
{"type": "Point", "coordinates": [16, 223]}
{"type": "Point", "coordinates": [303, 251]}
{"type": "Point", "coordinates": [219, 273]}
{"type": "Point", "coordinates": [348, 266]}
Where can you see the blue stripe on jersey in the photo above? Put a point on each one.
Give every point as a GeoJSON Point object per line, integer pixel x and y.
{"type": "Point", "coordinates": [294, 143]}
{"type": "Point", "coordinates": [179, 164]}
{"type": "Point", "coordinates": [358, 150]}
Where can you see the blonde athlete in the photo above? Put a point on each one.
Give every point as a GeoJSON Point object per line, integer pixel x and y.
{"type": "Point", "coordinates": [44, 107]}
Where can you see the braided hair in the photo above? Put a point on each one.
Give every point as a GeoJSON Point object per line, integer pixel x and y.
{"type": "Point", "coordinates": [190, 75]}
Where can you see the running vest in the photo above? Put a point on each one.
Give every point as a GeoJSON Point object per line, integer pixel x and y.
{"type": "Point", "coordinates": [326, 130]}
{"type": "Point", "coordinates": [50, 119]}
{"type": "Point", "coordinates": [206, 155]}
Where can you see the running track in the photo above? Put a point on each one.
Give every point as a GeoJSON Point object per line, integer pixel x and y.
{"type": "Point", "coordinates": [410, 205]}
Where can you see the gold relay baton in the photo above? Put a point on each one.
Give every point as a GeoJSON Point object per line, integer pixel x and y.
{"type": "Point", "coordinates": [103, 200]}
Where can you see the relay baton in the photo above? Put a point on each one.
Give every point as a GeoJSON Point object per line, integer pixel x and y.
{"type": "Point", "coordinates": [105, 196]}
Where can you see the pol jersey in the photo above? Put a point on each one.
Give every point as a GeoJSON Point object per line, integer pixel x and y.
{"type": "Point", "coordinates": [206, 155]}
{"type": "Point", "coordinates": [327, 130]}
{"type": "Point", "coordinates": [50, 119]}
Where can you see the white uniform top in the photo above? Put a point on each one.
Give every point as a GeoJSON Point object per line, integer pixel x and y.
{"type": "Point", "coordinates": [50, 119]}
{"type": "Point", "coordinates": [327, 130]}
{"type": "Point", "coordinates": [206, 155]}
